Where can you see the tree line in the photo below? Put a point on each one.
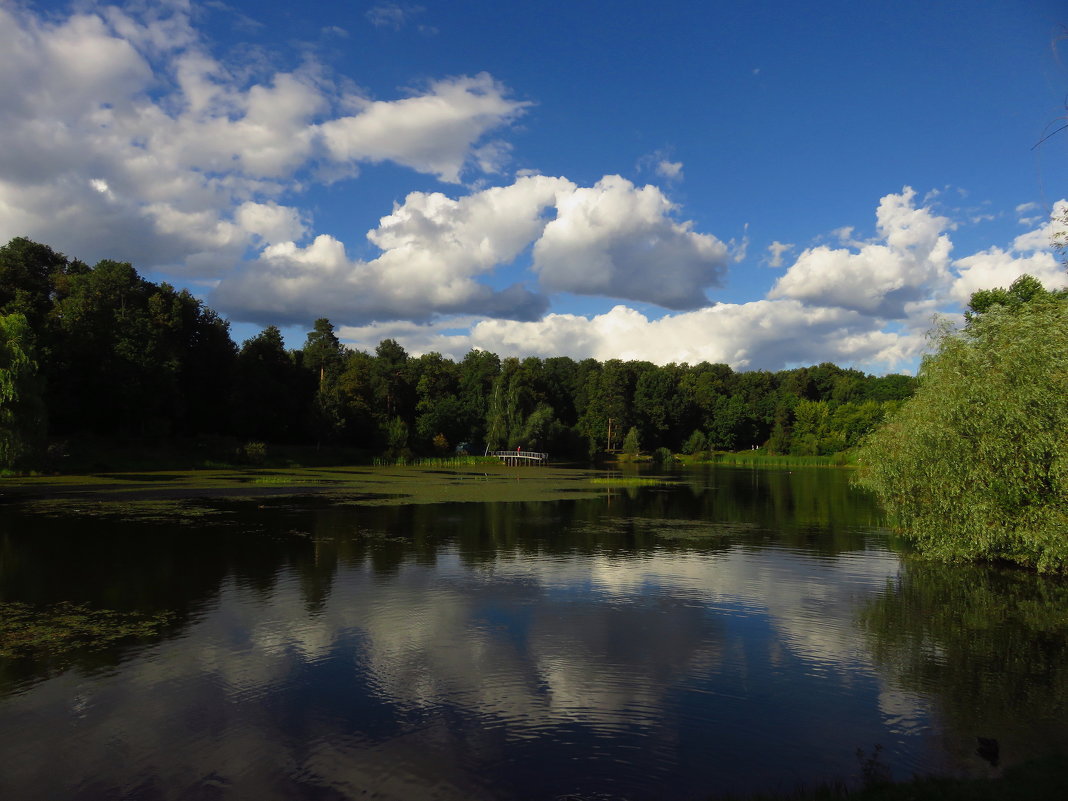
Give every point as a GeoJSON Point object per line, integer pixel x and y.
{"type": "Point", "coordinates": [100, 351]}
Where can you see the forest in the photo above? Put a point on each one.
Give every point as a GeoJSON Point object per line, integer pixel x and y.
{"type": "Point", "coordinates": [100, 353]}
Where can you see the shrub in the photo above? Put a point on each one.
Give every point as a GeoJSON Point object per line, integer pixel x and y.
{"type": "Point", "coordinates": [975, 465]}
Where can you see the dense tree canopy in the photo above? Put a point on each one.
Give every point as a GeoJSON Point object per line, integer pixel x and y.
{"type": "Point", "coordinates": [975, 465]}
{"type": "Point", "coordinates": [123, 358]}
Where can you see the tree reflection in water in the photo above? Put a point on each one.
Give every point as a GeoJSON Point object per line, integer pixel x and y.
{"type": "Point", "coordinates": [987, 646]}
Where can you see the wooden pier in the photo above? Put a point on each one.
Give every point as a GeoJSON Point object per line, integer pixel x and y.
{"type": "Point", "coordinates": [521, 457]}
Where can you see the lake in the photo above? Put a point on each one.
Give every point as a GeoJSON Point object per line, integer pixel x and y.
{"type": "Point", "coordinates": [524, 633]}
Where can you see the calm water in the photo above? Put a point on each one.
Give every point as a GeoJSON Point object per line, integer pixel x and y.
{"type": "Point", "coordinates": [736, 631]}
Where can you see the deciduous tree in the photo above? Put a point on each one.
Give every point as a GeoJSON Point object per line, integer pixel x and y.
{"type": "Point", "coordinates": [22, 413]}
{"type": "Point", "coordinates": [975, 465]}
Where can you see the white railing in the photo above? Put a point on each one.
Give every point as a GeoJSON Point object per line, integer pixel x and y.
{"type": "Point", "coordinates": [516, 456]}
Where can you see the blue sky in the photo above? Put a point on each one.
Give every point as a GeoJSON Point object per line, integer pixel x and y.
{"type": "Point", "coordinates": [764, 184]}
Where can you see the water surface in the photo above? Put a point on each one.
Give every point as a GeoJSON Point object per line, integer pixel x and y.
{"type": "Point", "coordinates": [729, 631]}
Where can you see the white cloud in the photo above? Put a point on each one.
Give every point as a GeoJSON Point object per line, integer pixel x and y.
{"type": "Point", "coordinates": [270, 223]}
{"type": "Point", "coordinates": [1041, 238]}
{"type": "Point", "coordinates": [291, 284]}
{"type": "Point", "coordinates": [997, 267]}
{"type": "Point", "coordinates": [125, 136]}
{"type": "Point", "coordinates": [433, 133]}
{"type": "Point", "coordinates": [672, 170]}
{"type": "Point", "coordinates": [878, 279]}
{"type": "Point", "coordinates": [433, 249]}
{"type": "Point", "coordinates": [778, 250]}
{"type": "Point", "coordinates": [775, 332]}
{"type": "Point", "coordinates": [617, 240]}
{"type": "Point", "coordinates": [759, 335]}
{"type": "Point", "coordinates": [392, 15]}
{"type": "Point", "coordinates": [1028, 213]}
{"type": "Point", "coordinates": [739, 249]}
{"type": "Point", "coordinates": [132, 100]}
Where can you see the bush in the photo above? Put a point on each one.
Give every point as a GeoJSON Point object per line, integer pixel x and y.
{"type": "Point", "coordinates": [695, 444]}
{"type": "Point", "coordinates": [255, 452]}
{"type": "Point", "coordinates": [975, 465]}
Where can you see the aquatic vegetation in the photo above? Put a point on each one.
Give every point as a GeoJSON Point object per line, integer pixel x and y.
{"type": "Point", "coordinates": [65, 627]}
{"type": "Point", "coordinates": [628, 481]}
{"type": "Point", "coordinates": [152, 510]}
{"type": "Point", "coordinates": [435, 461]}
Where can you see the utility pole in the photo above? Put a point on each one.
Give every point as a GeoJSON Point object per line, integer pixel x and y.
{"type": "Point", "coordinates": [609, 434]}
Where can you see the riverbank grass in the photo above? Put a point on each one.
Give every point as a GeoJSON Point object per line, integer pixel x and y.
{"type": "Point", "coordinates": [765, 459]}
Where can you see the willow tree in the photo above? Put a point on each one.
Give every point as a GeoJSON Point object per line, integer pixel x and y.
{"type": "Point", "coordinates": [22, 414]}
{"type": "Point", "coordinates": [975, 465]}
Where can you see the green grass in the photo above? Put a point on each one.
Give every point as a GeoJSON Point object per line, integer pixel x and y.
{"type": "Point", "coordinates": [435, 461]}
{"type": "Point", "coordinates": [763, 459]}
{"type": "Point", "coordinates": [628, 481]}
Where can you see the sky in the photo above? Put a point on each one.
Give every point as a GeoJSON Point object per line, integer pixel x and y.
{"type": "Point", "coordinates": [765, 184]}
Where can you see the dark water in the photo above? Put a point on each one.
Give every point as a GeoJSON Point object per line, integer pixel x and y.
{"type": "Point", "coordinates": [737, 631]}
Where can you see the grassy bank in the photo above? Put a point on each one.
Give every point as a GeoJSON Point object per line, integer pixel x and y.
{"type": "Point", "coordinates": [435, 461]}
{"type": "Point", "coordinates": [764, 459]}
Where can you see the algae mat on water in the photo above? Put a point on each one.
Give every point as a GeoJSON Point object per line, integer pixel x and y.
{"type": "Point", "coordinates": [354, 485]}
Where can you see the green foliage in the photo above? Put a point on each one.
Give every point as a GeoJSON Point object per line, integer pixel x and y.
{"type": "Point", "coordinates": [173, 374]}
{"type": "Point", "coordinates": [269, 389]}
{"type": "Point", "coordinates": [975, 465]}
{"type": "Point", "coordinates": [766, 459]}
{"type": "Point", "coordinates": [696, 443]}
{"type": "Point", "coordinates": [397, 437]}
{"type": "Point", "coordinates": [254, 452]}
{"type": "Point", "coordinates": [631, 445]}
{"type": "Point", "coordinates": [22, 412]}
{"type": "Point", "coordinates": [1023, 290]}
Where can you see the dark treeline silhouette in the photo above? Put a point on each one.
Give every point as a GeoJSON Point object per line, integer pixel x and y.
{"type": "Point", "coordinates": [121, 358]}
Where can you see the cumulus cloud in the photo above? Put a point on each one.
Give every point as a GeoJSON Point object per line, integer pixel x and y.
{"type": "Point", "coordinates": [611, 239]}
{"type": "Point", "coordinates": [124, 136]}
{"type": "Point", "coordinates": [433, 133]}
{"type": "Point", "coordinates": [292, 284]}
{"type": "Point", "coordinates": [433, 249]}
{"type": "Point", "coordinates": [1029, 254]}
{"type": "Point", "coordinates": [763, 334]}
{"type": "Point", "coordinates": [772, 333]}
{"type": "Point", "coordinates": [910, 262]}
{"type": "Point", "coordinates": [618, 240]}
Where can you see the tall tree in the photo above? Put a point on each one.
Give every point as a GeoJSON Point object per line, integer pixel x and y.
{"type": "Point", "coordinates": [323, 356]}
{"type": "Point", "coordinates": [269, 389]}
{"type": "Point", "coordinates": [26, 276]}
{"type": "Point", "coordinates": [393, 389]}
{"type": "Point", "coordinates": [477, 372]}
{"type": "Point", "coordinates": [22, 413]}
{"type": "Point", "coordinates": [323, 351]}
{"type": "Point", "coordinates": [438, 409]}
{"type": "Point", "coordinates": [974, 465]}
